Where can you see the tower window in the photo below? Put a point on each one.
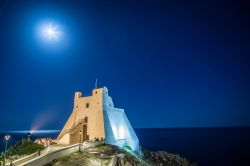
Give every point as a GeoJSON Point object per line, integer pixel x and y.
{"type": "Point", "coordinates": [86, 119]}
{"type": "Point", "coordinates": [95, 92]}
{"type": "Point", "coordinates": [87, 105]}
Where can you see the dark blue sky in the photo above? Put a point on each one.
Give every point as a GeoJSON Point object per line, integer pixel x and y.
{"type": "Point", "coordinates": [167, 63]}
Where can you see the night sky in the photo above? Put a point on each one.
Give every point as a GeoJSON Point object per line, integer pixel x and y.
{"type": "Point", "coordinates": [167, 63]}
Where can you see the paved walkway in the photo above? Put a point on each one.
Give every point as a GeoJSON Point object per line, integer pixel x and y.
{"type": "Point", "coordinates": [44, 152]}
{"type": "Point", "coordinates": [50, 150]}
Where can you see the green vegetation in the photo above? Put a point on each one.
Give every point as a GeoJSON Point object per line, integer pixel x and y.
{"type": "Point", "coordinates": [21, 148]}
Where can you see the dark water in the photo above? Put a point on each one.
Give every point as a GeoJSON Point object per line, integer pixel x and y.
{"type": "Point", "coordinates": [207, 146]}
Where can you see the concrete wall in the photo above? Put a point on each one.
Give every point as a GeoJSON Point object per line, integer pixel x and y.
{"type": "Point", "coordinates": [24, 159]}
{"type": "Point", "coordinates": [45, 159]}
{"type": "Point", "coordinates": [91, 144]}
{"type": "Point", "coordinates": [64, 140]}
{"type": "Point", "coordinates": [118, 130]}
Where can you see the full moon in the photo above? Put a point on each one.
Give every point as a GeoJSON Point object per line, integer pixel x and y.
{"type": "Point", "coordinates": [51, 32]}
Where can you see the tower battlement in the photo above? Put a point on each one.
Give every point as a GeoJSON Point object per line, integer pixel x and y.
{"type": "Point", "coordinates": [78, 95]}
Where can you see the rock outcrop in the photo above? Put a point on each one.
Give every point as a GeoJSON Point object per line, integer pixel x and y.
{"type": "Point", "coordinates": [161, 158]}
{"type": "Point", "coordinates": [109, 155]}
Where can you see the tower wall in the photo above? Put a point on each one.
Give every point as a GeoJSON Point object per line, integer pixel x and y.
{"type": "Point", "coordinates": [89, 107]}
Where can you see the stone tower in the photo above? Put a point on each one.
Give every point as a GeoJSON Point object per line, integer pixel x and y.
{"type": "Point", "coordinates": [95, 118]}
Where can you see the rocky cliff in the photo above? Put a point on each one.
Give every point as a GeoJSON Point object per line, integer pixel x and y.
{"type": "Point", "coordinates": [108, 155]}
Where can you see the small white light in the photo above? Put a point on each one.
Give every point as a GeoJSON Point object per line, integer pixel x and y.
{"type": "Point", "coordinates": [7, 137]}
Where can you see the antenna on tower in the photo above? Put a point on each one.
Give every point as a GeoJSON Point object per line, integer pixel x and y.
{"type": "Point", "coordinates": [96, 83]}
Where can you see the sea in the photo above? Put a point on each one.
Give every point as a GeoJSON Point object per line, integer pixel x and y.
{"type": "Point", "coordinates": [224, 146]}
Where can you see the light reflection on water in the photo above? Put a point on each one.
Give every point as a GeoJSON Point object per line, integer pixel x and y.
{"type": "Point", "coordinates": [29, 131]}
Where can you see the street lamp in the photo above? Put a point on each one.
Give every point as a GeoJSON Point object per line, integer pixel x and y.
{"type": "Point", "coordinates": [6, 138]}
{"type": "Point", "coordinates": [101, 158]}
{"type": "Point", "coordinates": [80, 134]}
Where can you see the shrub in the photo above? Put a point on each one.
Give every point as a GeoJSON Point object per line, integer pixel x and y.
{"type": "Point", "coordinates": [23, 147]}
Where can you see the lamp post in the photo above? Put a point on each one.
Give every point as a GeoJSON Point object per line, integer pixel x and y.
{"type": "Point", "coordinates": [80, 134]}
{"type": "Point", "coordinates": [6, 138]}
{"type": "Point", "coordinates": [101, 158]}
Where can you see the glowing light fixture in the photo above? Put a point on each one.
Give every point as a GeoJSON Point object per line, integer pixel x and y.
{"type": "Point", "coordinates": [7, 137]}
